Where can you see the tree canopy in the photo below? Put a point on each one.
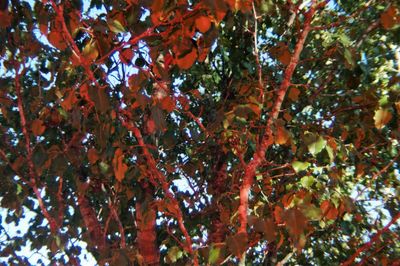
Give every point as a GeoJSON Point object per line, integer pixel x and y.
{"type": "Point", "coordinates": [200, 132]}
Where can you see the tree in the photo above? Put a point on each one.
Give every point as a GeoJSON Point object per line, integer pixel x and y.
{"type": "Point", "coordinates": [201, 132]}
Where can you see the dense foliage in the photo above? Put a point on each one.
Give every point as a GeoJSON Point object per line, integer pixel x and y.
{"type": "Point", "coordinates": [203, 132]}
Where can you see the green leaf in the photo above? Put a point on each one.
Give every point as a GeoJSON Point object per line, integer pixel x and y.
{"type": "Point", "coordinates": [90, 50]}
{"type": "Point", "coordinates": [115, 26]}
{"type": "Point", "coordinates": [312, 212]}
{"type": "Point", "coordinates": [349, 58]}
{"type": "Point", "coordinates": [19, 189]}
{"type": "Point", "coordinates": [330, 152]}
{"type": "Point", "coordinates": [174, 254]}
{"type": "Point", "coordinates": [344, 39]}
{"type": "Point", "coordinates": [307, 181]}
{"type": "Point", "coordinates": [300, 166]}
{"type": "Point", "coordinates": [214, 255]}
{"type": "Point", "coordinates": [317, 146]}
{"type": "Point", "coordinates": [104, 167]}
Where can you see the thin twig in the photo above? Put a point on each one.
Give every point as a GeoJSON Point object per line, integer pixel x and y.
{"type": "Point", "coordinates": [31, 166]}
{"type": "Point", "coordinates": [373, 239]}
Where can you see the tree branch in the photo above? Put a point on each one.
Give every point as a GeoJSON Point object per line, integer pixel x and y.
{"type": "Point", "coordinates": [373, 239]}
{"type": "Point", "coordinates": [164, 184]}
{"type": "Point", "coordinates": [32, 174]}
{"type": "Point", "coordinates": [268, 140]}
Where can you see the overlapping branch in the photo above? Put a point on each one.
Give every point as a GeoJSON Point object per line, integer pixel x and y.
{"type": "Point", "coordinates": [162, 180]}
{"type": "Point", "coordinates": [372, 240]}
{"type": "Point", "coordinates": [268, 138]}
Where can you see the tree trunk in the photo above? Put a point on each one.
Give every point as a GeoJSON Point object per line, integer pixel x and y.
{"type": "Point", "coordinates": [91, 222]}
{"type": "Point", "coordinates": [146, 230]}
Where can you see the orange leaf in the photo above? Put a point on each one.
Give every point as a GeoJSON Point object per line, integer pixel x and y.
{"type": "Point", "coordinates": [93, 156]}
{"type": "Point", "coordinates": [294, 93]}
{"type": "Point", "coordinates": [203, 23]}
{"type": "Point", "coordinates": [5, 20]}
{"type": "Point", "coordinates": [390, 18]}
{"type": "Point", "coordinates": [187, 60]}
{"type": "Point", "coordinates": [69, 101]}
{"type": "Point", "coordinates": [382, 117]}
{"type": "Point", "coordinates": [56, 39]}
{"type": "Point", "coordinates": [282, 136]}
{"type": "Point", "coordinates": [37, 127]}
{"type": "Point", "coordinates": [150, 126]}
{"type": "Point", "coordinates": [119, 166]}
{"type": "Point", "coordinates": [281, 52]}
{"type": "Point", "coordinates": [295, 221]}
{"type": "Point", "coordinates": [126, 56]}
{"type": "Point", "coordinates": [328, 210]}
{"type": "Point", "coordinates": [168, 104]}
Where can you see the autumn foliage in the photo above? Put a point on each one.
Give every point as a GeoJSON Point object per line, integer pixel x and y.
{"type": "Point", "coordinates": [210, 132]}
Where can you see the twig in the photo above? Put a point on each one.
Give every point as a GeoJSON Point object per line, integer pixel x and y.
{"type": "Point", "coordinates": [120, 226]}
{"type": "Point", "coordinates": [373, 239]}
{"type": "Point", "coordinates": [31, 166]}
{"type": "Point", "coordinates": [257, 56]}
{"type": "Point", "coordinates": [286, 258]}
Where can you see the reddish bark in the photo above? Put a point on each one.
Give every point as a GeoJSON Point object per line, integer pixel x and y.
{"type": "Point", "coordinates": [374, 238]}
{"type": "Point", "coordinates": [268, 140]}
{"type": "Point", "coordinates": [146, 231]}
{"type": "Point", "coordinates": [32, 173]}
{"type": "Point", "coordinates": [91, 222]}
{"type": "Point", "coordinates": [158, 177]}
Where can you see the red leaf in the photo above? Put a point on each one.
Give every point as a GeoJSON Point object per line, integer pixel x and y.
{"type": "Point", "coordinates": [187, 60]}
{"type": "Point", "coordinates": [69, 101]}
{"type": "Point", "coordinates": [56, 39]}
{"type": "Point", "coordinates": [278, 214]}
{"type": "Point", "coordinates": [203, 23]}
{"type": "Point", "coordinates": [168, 104]}
{"type": "Point", "coordinates": [328, 210]}
{"type": "Point", "coordinates": [150, 126]}
{"type": "Point", "coordinates": [237, 244]}
{"type": "Point", "coordinates": [5, 20]}
{"type": "Point", "coordinates": [281, 52]}
{"type": "Point", "coordinates": [294, 93]}
{"type": "Point", "coordinates": [295, 221]}
{"type": "Point", "coordinates": [390, 18]}
{"type": "Point", "coordinates": [126, 56]}
{"type": "Point", "coordinates": [37, 127]}
{"type": "Point", "coordinates": [119, 166]}
{"type": "Point", "coordinates": [218, 8]}
{"type": "Point", "coordinates": [93, 156]}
